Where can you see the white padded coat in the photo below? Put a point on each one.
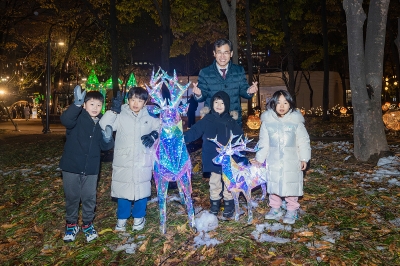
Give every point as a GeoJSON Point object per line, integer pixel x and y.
{"type": "Point", "coordinates": [133, 162]}
{"type": "Point", "coordinates": [284, 144]}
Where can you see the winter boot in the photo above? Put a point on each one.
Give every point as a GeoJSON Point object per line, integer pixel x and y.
{"type": "Point", "coordinates": [121, 225]}
{"type": "Point", "coordinates": [290, 217]}
{"type": "Point", "coordinates": [215, 206]}
{"type": "Point", "coordinates": [229, 208]}
{"type": "Point", "coordinates": [138, 224]}
{"type": "Point", "coordinates": [274, 214]}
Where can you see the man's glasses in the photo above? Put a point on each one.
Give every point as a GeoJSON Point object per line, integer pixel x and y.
{"type": "Point", "coordinates": [223, 53]}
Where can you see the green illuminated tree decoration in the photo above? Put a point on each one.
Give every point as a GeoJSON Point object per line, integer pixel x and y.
{"type": "Point", "coordinates": [108, 83]}
{"type": "Point", "coordinates": [131, 81]}
{"type": "Point", "coordinates": [92, 83]}
{"type": "Point", "coordinates": [103, 91]}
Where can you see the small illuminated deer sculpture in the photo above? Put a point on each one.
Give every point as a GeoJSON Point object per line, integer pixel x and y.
{"type": "Point", "coordinates": [172, 158]}
{"type": "Point", "coordinates": [240, 178]}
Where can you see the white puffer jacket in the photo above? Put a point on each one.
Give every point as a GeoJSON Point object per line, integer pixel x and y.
{"type": "Point", "coordinates": [284, 144]}
{"type": "Point", "coordinates": [133, 162]}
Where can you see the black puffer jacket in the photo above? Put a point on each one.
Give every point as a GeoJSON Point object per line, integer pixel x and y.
{"type": "Point", "coordinates": [84, 142]}
{"type": "Point", "coordinates": [214, 124]}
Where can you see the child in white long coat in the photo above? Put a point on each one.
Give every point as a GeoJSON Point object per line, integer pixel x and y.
{"type": "Point", "coordinates": [133, 155]}
{"type": "Point", "coordinates": [285, 146]}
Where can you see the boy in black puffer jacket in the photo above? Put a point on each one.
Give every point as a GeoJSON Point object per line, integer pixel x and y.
{"type": "Point", "coordinates": [80, 162]}
{"type": "Point", "coordinates": [216, 123]}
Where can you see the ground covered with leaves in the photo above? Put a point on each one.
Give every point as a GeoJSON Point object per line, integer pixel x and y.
{"type": "Point", "coordinates": [349, 213]}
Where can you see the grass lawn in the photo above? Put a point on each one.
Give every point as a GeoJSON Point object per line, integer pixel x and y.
{"type": "Point", "coordinates": [346, 218]}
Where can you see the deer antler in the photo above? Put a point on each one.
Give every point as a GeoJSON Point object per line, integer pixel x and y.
{"type": "Point", "coordinates": [176, 90]}
{"type": "Point", "coordinates": [155, 90]}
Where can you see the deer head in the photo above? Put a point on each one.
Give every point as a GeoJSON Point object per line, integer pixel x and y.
{"type": "Point", "coordinates": [225, 152]}
{"type": "Point", "coordinates": [170, 111]}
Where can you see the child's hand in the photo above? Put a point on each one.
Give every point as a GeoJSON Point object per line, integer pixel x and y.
{"type": "Point", "coordinates": [79, 95]}
{"type": "Point", "coordinates": [303, 165]}
{"type": "Point", "coordinates": [117, 102]}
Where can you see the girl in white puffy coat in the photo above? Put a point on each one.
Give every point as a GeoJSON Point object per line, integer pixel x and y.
{"type": "Point", "coordinates": [133, 155]}
{"type": "Point", "coordinates": [285, 146]}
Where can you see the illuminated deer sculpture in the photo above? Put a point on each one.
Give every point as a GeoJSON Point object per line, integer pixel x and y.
{"type": "Point", "coordinates": [172, 158]}
{"type": "Point", "coordinates": [240, 178]}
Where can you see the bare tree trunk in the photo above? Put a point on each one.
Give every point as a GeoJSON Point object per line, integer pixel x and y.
{"type": "Point", "coordinates": [164, 13]}
{"type": "Point", "coordinates": [307, 78]}
{"type": "Point", "coordinates": [230, 13]}
{"type": "Point", "coordinates": [397, 42]}
{"type": "Point", "coordinates": [325, 94]}
{"type": "Point", "coordinates": [288, 50]}
{"type": "Point", "coordinates": [114, 47]}
{"type": "Point", "coordinates": [366, 70]}
{"type": "Point", "coordinates": [248, 54]}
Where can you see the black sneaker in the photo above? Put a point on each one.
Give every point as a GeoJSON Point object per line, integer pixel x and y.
{"type": "Point", "coordinates": [229, 208]}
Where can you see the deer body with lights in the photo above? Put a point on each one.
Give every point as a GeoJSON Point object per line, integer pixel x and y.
{"type": "Point", "coordinates": [237, 177]}
{"type": "Point", "coordinates": [172, 158]}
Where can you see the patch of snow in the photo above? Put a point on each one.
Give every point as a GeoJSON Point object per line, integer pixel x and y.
{"type": "Point", "coordinates": [155, 199]}
{"type": "Point", "coordinates": [206, 222]}
{"type": "Point", "coordinates": [347, 157]}
{"type": "Point", "coordinates": [395, 222]}
{"type": "Point", "coordinates": [394, 181]}
{"type": "Point", "coordinates": [205, 239]}
{"type": "Point", "coordinates": [261, 237]}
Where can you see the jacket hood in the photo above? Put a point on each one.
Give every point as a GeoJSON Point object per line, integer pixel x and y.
{"type": "Point", "coordinates": [292, 116]}
{"type": "Point", "coordinates": [225, 98]}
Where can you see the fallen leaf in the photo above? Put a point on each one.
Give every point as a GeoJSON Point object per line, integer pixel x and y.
{"type": "Point", "coordinates": [143, 246]}
{"type": "Point", "coordinates": [166, 247]}
{"type": "Point", "coordinates": [105, 231]}
{"type": "Point", "coordinates": [189, 255]}
{"type": "Point", "coordinates": [7, 226]}
{"type": "Point", "coordinates": [305, 233]}
{"type": "Point", "coordinates": [2, 207]}
{"type": "Point", "coordinates": [38, 229]}
{"type": "Point", "coordinates": [238, 259]}
{"type": "Point", "coordinates": [181, 228]}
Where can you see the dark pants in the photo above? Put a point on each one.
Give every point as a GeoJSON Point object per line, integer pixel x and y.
{"type": "Point", "coordinates": [191, 119]}
{"type": "Point", "coordinates": [125, 209]}
{"type": "Point", "coordinates": [79, 188]}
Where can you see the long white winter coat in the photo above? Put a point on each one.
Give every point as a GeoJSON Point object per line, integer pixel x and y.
{"type": "Point", "coordinates": [133, 162]}
{"type": "Point", "coordinates": [284, 144]}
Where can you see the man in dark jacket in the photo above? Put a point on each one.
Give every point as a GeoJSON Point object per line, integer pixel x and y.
{"type": "Point", "coordinates": [223, 75]}
{"type": "Point", "coordinates": [216, 123]}
{"type": "Point", "coordinates": [80, 162]}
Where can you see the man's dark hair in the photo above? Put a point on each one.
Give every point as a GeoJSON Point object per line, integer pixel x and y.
{"type": "Point", "coordinates": [275, 97]}
{"type": "Point", "coordinates": [138, 92]}
{"type": "Point", "coordinates": [96, 95]}
{"type": "Point", "coordinates": [221, 42]}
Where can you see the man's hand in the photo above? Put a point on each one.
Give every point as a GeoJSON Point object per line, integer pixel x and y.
{"type": "Point", "coordinates": [117, 102]}
{"type": "Point", "coordinates": [253, 88]}
{"type": "Point", "coordinates": [79, 96]}
{"type": "Point", "coordinates": [196, 90]}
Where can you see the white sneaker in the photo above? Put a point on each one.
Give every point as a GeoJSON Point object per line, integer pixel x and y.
{"type": "Point", "coordinates": [274, 214]}
{"type": "Point", "coordinates": [90, 232]}
{"type": "Point", "coordinates": [290, 217]}
{"type": "Point", "coordinates": [121, 225]}
{"type": "Point", "coordinates": [138, 223]}
{"type": "Point", "coordinates": [70, 232]}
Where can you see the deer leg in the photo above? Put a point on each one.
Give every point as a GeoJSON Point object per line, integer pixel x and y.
{"type": "Point", "coordinates": [181, 193]}
{"type": "Point", "coordinates": [162, 191]}
{"type": "Point", "coordinates": [249, 207]}
{"type": "Point", "coordinates": [264, 191]}
{"type": "Point", "coordinates": [185, 183]}
{"type": "Point", "coordinates": [236, 200]}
